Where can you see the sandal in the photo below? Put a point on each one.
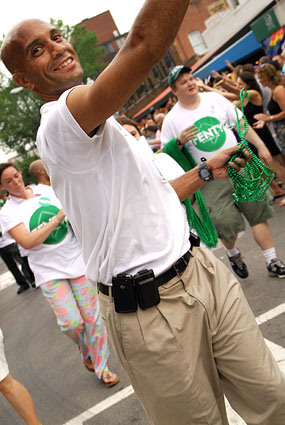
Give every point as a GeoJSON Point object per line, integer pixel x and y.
{"type": "Point", "coordinates": [109, 378]}
{"type": "Point", "coordinates": [88, 364]}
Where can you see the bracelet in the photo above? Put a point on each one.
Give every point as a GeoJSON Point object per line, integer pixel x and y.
{"type": "Point", "coordinates": [271, 117]}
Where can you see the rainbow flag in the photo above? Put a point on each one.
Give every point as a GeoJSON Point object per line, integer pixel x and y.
{"type": "Point", "coordinates": [274, 42]}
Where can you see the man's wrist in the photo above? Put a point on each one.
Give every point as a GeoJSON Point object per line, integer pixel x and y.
{"type": "Point", "coordinates": [271, 118]}
{"type": "Point", "coordinates": [205, 171]}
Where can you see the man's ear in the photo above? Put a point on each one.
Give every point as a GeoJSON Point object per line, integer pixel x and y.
{"type": "Point", "coordinates": [21, 80]}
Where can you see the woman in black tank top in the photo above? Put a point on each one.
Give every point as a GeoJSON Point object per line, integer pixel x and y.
{"type": "Point", "coordinates": [252, 107]}
{"type": "Point", "coordinates": [270, 77]}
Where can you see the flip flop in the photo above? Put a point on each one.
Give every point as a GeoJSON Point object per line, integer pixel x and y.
{"type": "Point", "coordinates": [106, 376]}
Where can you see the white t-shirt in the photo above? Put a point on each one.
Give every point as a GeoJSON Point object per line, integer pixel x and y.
{"type": "Point", "coordinates": [214, 118]}
{"type": "Point", "coordinates": [126, 216]}
{"type": "Point", "coordinates": [167, 166]}
{"type": "Point", "coordinates": [60, 256]}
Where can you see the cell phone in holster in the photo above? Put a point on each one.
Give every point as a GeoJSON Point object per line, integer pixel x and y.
{"type": "Point", "coordinates": [124, 290]}
{"type": "Point", "coordinates": [147, 290]}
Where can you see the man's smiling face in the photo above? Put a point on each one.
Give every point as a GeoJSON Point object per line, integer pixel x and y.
{"type": "Point", "coordinates": [47, 63]}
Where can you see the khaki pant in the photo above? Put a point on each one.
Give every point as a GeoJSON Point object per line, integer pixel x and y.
{"type": "Point", "coordinates": [200, 342]}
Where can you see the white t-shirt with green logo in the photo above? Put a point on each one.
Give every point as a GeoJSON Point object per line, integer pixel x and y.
{"type": "Point", "coordinates": [59, 256]}
{"type": "Point", "coordinates": [214, 119]}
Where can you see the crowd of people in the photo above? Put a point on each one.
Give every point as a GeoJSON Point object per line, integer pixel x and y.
{"type": "Point", "coordinates": [264, 107]}
{"type": "Point", "coordinates": [196, 101]}
{"type": "Point", "coordinates": [176, 317]}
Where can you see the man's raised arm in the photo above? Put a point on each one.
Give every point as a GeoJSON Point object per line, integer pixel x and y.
{"type": "Point", "coordinates": [152, 33]}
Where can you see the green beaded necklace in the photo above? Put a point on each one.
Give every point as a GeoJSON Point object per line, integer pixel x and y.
{"type": "Point", "coordinates": [256, 177]}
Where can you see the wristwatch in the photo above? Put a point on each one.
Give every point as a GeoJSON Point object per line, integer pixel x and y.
{"type": "Point", "coordinates": [205, 172]}
{"type": "Point", "coordinates": [177, 141]}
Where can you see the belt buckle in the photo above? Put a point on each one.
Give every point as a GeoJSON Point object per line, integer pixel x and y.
{"type": "Point", "coordinates": [179, 262]}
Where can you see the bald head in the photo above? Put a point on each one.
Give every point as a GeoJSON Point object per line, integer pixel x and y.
{"type": "Point", "coordinates": [40, 59]}
{"type": "Point", "coordinates": [12, 50]}
{"type": "Point", "coordinates": [38, 172]}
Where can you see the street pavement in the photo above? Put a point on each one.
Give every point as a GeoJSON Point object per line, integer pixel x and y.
{"type": "Point", "coordinates": [49, 365]}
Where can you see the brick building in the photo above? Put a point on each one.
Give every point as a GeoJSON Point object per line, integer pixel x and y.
{"type": "Point", "coordinates": [107, 33]}
{"type": "Point", "coordinates": [104, 26]}
{"type": "Point", "coordinates": [188, 47]}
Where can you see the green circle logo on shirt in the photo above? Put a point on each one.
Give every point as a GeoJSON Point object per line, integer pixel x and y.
{"type": "Point", "coordinates": [43, 215]}
{"type": "Point", "coordinates": [43, 201]}
{"type": "Point", "coordinates": [211, 134]}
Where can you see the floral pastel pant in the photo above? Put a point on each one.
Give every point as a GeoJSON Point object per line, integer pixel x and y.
{"type": "Point", "coordinates": [76, 306]}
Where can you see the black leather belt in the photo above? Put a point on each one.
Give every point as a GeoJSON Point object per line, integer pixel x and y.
{"type": "Point", "coordinates": [176, 270]}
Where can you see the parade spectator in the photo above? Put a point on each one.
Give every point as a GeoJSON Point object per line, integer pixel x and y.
{"type": "Point", "coordinates": [213, 115]}
{"type": "Point", "coordinates": [253, 105]}
{"type": "Point", "coordinates": [158, 120]}
{"type": "Point", "coordinates": [150, 134]}
{"type": "Point", "coordinates": [33, 216]}
{"type": "Point", "coordinates": [263, 59]}
{"type": "Point", "coordinates": [270, 77]}
{"type": "Point", "coordinates": [38, 172]}
{"type": "Point", "coordinates": [170, 103]}
{"type": "Point", "coordinates": [283, 62]}
{"type": "Point", "coordinates": [10, 254]}
{"type": "Point", "coordinates": [193, 336]}
{"type": "Point", "coordinates": [14, 392]}
{"type": "Point", "coordinates": [279, 60]}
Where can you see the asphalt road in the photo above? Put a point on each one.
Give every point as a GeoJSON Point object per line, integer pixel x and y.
{"type": "Point", "coordinates": [49, 365]}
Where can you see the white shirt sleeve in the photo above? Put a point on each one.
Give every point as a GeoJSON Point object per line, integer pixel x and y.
{"type": "Point", "coordinates": [9, 218]}
{"type": "Point", "coordinates": [167, 132]}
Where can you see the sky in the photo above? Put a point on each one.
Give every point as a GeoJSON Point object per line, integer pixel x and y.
{"type": "Point", "coordinates": [123, 12]}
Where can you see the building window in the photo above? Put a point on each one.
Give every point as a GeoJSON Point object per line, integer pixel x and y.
{"type": "Point", "coordinates": [235, 3]}
{"type": "Point", "coordinates": [169, 60]}
{"type": "Point", "coordinates": [163, 68]}
{"type": "Point", "coordinates": [141, 91]}
{"type": "Point", "coordinates": [157, 74]}
{"type": "Point", "coordinates": [109, 49]}
{"type": "Point", "coordinates": [150, 83]}
{"type": "Point", "coordinates": [197, 42]}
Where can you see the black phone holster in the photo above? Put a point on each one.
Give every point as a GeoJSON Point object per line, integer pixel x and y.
{"type": "Point", "coordinates": [130, 291]}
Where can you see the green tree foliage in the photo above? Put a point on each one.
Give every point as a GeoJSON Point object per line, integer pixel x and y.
{"type": "Point", "coordinates": [19, 119]}
{"type": "Point", "coordinates": [20, 110]}
{"type": "Point", "coordinates": [90, 57]}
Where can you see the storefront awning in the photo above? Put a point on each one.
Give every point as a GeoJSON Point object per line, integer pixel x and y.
{"type": "Point", "coordinates": [155, 102]}
{"type": "Point", "coordinates": [238, 51]}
